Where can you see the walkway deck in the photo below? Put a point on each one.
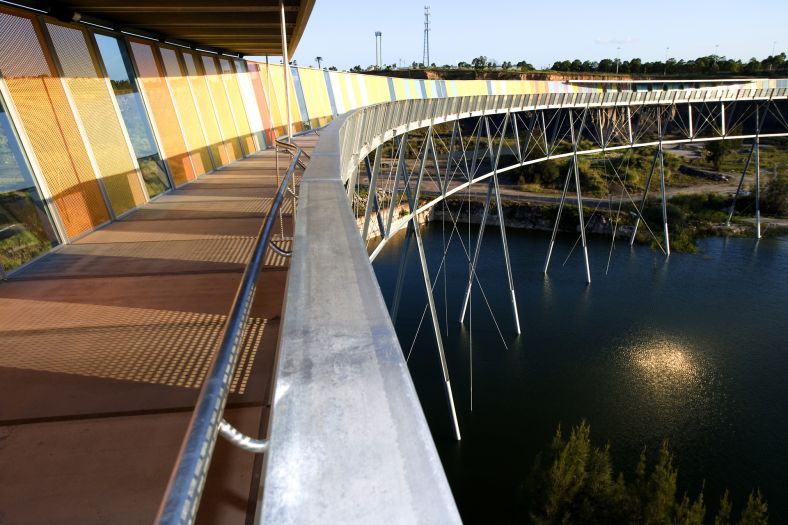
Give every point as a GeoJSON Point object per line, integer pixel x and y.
{"type": "Point", "coordinates": [104, 343]}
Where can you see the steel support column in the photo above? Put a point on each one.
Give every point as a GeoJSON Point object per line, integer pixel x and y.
{"type": "Point", "coordinates": [741, 183]}
{"type": "Point", "coordinates": [757, 172]}
{"type": "Point", "coordinates": [664, 201]}
{"type": "Point", "coordinates": [501, 222]}
{"type": "Point", "coordinates": [287, 74]}
{"type": "Point", "coordinates": [476, 251]}
{"type": "Point", "coordinates": [434, 314]}
{"type": "Point", "coordinates": [372, 198]}
{"type": "Point", "coordinates": [579, 193]}
{"type": "Point", "coordinates": [645, 195]}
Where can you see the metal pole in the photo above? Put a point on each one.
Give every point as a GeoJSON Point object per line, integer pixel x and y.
{"type": "Point", "coordinates": [403, 143]}
{"type": "Point", "coordinates": [757, 172]}
{"type": "Point", "coordinates": [477, 250]}
{"type": "Point", "coordinates": [645, 195]}
{"type": "Point", "coordinates": [472, 173]}
{"type": "Point", "coordinates": [400, 276]}
{"type": "Point", "coordinates": [372, 197]}
{"type": "Point", "coordinates": [501, 224]}
{"type": "Point", "coordinates": [558, 218]}
{"type": "Point", "coordinates": [580, 213]}
{"type": "Point", "coordinates": [664, 202]}
{"type": "Point", "coordinates": [438, 339]}
{"type": "Point", "coordinates": [741, 182]}
{"type": "Point", "coordinates": [286, 56]}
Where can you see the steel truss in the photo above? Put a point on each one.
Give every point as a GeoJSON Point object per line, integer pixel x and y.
{"type": "Point", "coordinates": [414, 167]}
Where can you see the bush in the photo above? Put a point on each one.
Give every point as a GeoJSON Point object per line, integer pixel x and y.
{"type": "Point", "coordinates": [775, 195]}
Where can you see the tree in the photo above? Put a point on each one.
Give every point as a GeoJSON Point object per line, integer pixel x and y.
{"type": "Point", "coordinates": [775, 195]}
{"type": "Point", "coordinates": [716, 150]}
{"type": "Point", "coordinates": [319, 61]}
{"type": "Point", "coordinates": [463, 65]}
{"type": "Point", "coordinates": [524, 66]}
{"type": "Point", "coordinates": [332, 68]}
{"type": "Point", "coordinates": [506, 64]}
{"type": "Point", "coordinates": [356, 69]}
{"type": "Point", "coordinates": [479, 62]}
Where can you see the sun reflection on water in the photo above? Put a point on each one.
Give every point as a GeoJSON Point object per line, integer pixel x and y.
{"type": "Point", "coordinates": [667, 366]}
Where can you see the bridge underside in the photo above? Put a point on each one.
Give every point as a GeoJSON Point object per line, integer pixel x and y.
{"type": "Point", "coordinates": [105, 343]}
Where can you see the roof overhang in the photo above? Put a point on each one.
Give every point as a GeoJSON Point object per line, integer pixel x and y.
{"type": "Point", "coordinates": [244, 27]}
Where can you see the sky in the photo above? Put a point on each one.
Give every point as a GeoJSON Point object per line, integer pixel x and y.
{"type": "Point", "coordinates": [540, 32]}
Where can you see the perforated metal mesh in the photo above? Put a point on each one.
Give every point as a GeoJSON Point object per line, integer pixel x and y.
{"type": "Point", "coordinates": [49, 123]}
{"type": "Point", "coordinates": [184, 103]}
{"type": "Point", "coordinates": [208, 116]}
{"type": "Point", "coordinates": [223, 111]}
{"type": "Point", "coordinates": [93, 101]}
{"type": "Point", "coordinates": [237, 104]}
{"type": "Point", "coordinates": [163, 112]}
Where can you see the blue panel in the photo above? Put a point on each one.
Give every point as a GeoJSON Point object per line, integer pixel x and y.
{"type": "Point", "coordinates": [423, 89]}
{"type": "Point", "coordinates": [330, 94]}
{"type": "Point", "coordinates": [490, 88]}
{"type": "Point", "coordinates": [299, 89]}
{"type": "Point", "coordinates": [392, 92]}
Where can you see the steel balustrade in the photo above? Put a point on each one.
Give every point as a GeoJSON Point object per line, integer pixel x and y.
{"type": "Point", "coordinates": [182, 498]}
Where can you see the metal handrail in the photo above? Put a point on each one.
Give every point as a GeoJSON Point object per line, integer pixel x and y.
{"type": "Point", "coordinates": [182, 498]}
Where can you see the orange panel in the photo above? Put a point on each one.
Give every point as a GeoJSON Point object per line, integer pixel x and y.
{"type": "Point", "coordinates": [162, 112]}
{"type": "Point", "coordinates": [47, 119]}
{"type": "Point", "coordinates": [222, 106]}
{"type": "Point", "coordinates": [187, 111]}
{"type": "Point", "coordinates": [93, 101]}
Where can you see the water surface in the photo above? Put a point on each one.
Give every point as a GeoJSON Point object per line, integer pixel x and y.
{"type": "Point", "coordinates": [693, 349]}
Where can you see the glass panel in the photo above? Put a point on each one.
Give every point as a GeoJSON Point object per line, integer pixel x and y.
{"type": "Point", "coordinates": [25, 228]}
{"type": "Point", "coordinates": [119, 70]}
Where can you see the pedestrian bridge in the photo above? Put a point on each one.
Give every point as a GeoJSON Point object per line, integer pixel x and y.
{"type": "Point", "coordinates": [337, 336]}
{"type": "Point", "coordinates": [173, 273]}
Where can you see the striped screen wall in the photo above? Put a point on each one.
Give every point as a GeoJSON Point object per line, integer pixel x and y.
{"type": "Point", "coordinates": [96, 155]}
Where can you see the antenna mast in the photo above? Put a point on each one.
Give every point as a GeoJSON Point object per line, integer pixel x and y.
{"type": "Point", "coordinates": [426, 57]}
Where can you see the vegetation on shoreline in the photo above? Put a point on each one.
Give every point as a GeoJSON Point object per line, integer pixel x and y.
{"type": "Point", "coordinates": [574, 481]}
{"type": "Point", "coordinates": [716, 65]}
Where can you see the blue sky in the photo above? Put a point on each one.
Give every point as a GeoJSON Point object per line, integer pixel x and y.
{"type": "Point", "coordinates": [342, 31]}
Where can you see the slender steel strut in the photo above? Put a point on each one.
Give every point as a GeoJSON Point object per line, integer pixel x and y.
{"type": "Point", "coordinates": [645, 194]}
{"type": "Point", "coordinates": [436, 326]}
{"type": "Point", "coordinates": [501, 221]}
{"type": "Point", "coordinates": [580, 205]}
{"type": "Point", "coordinates": [741, 182]}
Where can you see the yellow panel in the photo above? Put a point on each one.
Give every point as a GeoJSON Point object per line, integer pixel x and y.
{"type": "Point", "coordinates": [316, 95]}
{"type": "Point", "coordinates": [187, 111]}
{"type": "Point", "coordinates": [237, 105]}
{"type": "Point", "coordinates": [93, 101]}
{"type": "Point", "coordinates": [206, 110]}
{"type": "Point", "coordinates": [162, 112]}
{"type": "Point", "coordinates": [399, 89]}
{"type": "Point", "coordinates": [49, 124]}
{"type": "Point", "coordinates": [272, 84]}
{"type": "Point", "coordinates": [222, 107]}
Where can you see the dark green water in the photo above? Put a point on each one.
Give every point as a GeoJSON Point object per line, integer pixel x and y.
{"type": "Point", "coordinates": [693, 349]}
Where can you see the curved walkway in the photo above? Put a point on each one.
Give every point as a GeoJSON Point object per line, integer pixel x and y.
{"type": "Point", "coordinates": [104, 342]}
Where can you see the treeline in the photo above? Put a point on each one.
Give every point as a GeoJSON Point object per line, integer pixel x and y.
{"type": "Point", "coordinates": [574, 482]}
{"type": "Point", "coordinates": [703, 65]}
{"type": "Point", "coordinates": [707, 65]}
